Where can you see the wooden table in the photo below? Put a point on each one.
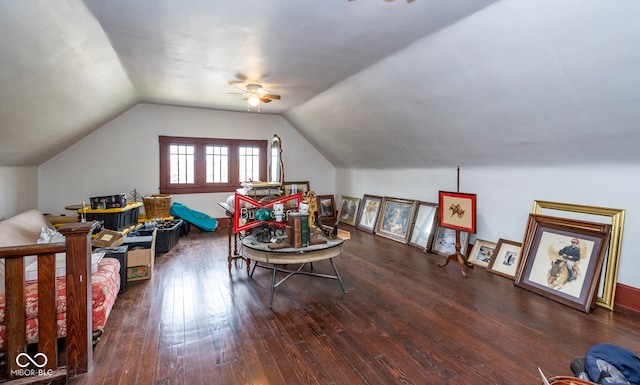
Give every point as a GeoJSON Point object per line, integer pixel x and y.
{"type": "Point", "coordinates": [268, 258]}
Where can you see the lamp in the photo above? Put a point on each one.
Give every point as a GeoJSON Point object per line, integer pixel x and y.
{"type": "Point", "coordinates": [253, 100]}
{"type": "Point", "coordinates": [255, 93]}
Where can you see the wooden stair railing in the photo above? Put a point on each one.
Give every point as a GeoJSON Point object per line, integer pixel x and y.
{"type": "Point", "coordinates": [44, 366]}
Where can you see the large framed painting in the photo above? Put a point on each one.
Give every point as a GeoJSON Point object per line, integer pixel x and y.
{"type": "Point", "coordinates": [395, 218]}
{"type": "Point", "coordinates": [368, 213]}
{"type": "Point", "coordinates": [614, 217]}
{"type": "Point", "coordinates": [506, 258]}
{"type": "Point", "coordinates": [457, 211]}
{"type": "Point", "coordinates": [424, 225]}
{"type": "Point", "coordinates": [481, 252]}
{"type": "Point", "coordinates": [562, 259]}
{"type": "Point", "coordinates": [349, 210]}
{"type": "Point", "coordinates": [444, 242]}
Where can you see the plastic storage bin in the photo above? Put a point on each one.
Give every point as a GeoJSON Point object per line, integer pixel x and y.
{"type": "Point", "coordinates": [114, 219]}
{"type": "Point", "coordinates": [167, 236]}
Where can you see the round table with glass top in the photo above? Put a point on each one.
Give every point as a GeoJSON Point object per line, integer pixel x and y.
{"type": "Point", "coordinates": [275, 259]}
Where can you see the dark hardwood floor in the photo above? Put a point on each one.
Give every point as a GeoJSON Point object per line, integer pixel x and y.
{"type": "Point", "coordinates": [403, 321]}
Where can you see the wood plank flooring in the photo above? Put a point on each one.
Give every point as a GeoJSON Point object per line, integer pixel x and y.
{"type": "Point", "coordinates": [403, 321]}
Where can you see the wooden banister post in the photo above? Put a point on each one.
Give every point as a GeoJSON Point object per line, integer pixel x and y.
{"type": "Point", "coordinates": [79, 312]}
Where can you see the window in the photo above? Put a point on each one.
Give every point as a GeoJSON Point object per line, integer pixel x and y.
{"type": "Point", "coordinates": [201, 165]}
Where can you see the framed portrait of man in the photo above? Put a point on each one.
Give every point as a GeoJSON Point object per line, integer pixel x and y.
{"type": "Point", "coordinates": [395, 218]}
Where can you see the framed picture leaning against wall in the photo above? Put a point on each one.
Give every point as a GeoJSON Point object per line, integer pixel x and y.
{"type": "Point", "coordinates": [368, 213]}
{"type": "Point", "coordinates": [424, 225]}
{"type": "Point", "coordinates": [349, 210]}
{"type": "Point", "coordinates": [562, 259]}
{"type": "Point", "coordinates": [395, 218]}
{"type": "Point", "coordinates": [444, 242]}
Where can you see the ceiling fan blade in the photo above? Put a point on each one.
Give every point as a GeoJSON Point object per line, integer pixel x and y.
{"type": "Point", "coordinates": [265, 100]}
{"type": "Point", "coordinates": [270, 96]}
{"type": "Point", "coordinates": [240, 78]}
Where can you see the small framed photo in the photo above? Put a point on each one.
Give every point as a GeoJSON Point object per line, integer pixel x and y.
{"type": "Point", "coordinates": [368, 213]}
{"type": "Point", "coordinates": [395, 218]}
{"type": "Point", "coordinates": [506, 258]}
{"type": "Point", "coordinates": [444, 242]}
{"type": "Point", "coordinates": [296, 187]}
{"type": "Point", "coordinates": [349, 210]}
{"type": "Point", "coordinates": [326, 207]}
{"type": "Point", "coordinates": [457, 211]}
{"type": "Point", "coordinates": [562, 259]}
{"type": "Point", "coordinates": [424, 225]}
{"type": "Point", "coordinates": [481, 252]}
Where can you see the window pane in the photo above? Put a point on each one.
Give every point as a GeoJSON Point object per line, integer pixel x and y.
{"type": "Point", "coordinates": [203, 165]}
{"type": "Point", "coordinates": [217, 164]}
{"type": "Point", "coordinates": [181, 164]}
{"type": "Point", "coordinates": [249, 161]}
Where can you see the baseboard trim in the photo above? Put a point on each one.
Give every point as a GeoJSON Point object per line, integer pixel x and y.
{"type": "Point", "coordinates": [627, 297]}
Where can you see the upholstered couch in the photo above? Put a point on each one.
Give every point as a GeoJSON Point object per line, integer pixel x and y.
{"type": "Point", "coordinates": [26, 229]}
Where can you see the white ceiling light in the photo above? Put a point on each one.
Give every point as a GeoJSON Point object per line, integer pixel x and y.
{"type": "Point", "coordinates": [255, 93]}
{"type": "Point", "coordinates": [253, 100]}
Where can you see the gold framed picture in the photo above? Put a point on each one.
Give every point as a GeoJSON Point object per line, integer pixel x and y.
{"type": "Point", "coordinates": [395, 218]}
{"type": "Point", "coordinates": [349, 210]}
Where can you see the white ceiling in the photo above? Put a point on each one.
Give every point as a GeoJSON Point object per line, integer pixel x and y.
{"type": "Point", "coordinates": [371, 83]}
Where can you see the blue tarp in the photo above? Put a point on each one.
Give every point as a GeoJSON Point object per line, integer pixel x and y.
{"type": "Point", "coordinates": [201, 220]}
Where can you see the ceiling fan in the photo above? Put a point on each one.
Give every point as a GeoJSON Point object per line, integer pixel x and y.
{"type": "Point", "coordinates": [255, 94]}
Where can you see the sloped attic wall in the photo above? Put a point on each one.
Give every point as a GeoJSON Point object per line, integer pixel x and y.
{"type": "Point", "coordinates": [520, 82]}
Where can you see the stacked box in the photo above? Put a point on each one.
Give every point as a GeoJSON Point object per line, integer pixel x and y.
{"type": "Point", "coordinates": [140, 257]}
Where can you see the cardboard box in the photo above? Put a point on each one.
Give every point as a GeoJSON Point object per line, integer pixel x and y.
{"type": "Point", "coordinates": [140, 261]}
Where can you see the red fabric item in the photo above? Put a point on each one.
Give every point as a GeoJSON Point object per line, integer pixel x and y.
{"type": "Point", "coordinates": [105, 285]}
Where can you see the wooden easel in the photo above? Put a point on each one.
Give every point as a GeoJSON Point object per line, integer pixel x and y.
{"type": "Point", "coordinates": [462, 260]}
{"type": "Point", "coordinates": [457, 256]}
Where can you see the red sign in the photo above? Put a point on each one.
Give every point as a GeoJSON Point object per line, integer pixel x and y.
{"type": "Point", "coordinates": [241, 214]}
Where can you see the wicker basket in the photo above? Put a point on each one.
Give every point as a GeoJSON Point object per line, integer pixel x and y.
{"type": "Point", "coordinates": [157, 206]}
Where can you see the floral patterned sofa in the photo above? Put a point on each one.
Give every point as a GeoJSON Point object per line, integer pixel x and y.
{"type": "Point", "coordinates": [25, 229]}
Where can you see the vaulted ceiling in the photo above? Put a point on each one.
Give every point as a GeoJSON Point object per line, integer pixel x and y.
{"type": "Point", "coordinates": [371, 83]}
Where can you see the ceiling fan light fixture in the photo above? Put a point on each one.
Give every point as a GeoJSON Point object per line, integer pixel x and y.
{"type": "Point", "coordinates": [257, 88]}
{"type": "Point", "coordinates": [253, 100]}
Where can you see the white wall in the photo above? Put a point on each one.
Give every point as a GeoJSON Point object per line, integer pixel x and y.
{"type": "Point", "coordinates": [123, 155]}
{"type": "Point", "coordinates": [18, 190]}
{"type": "Point", "coordinates": [505, 196]}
